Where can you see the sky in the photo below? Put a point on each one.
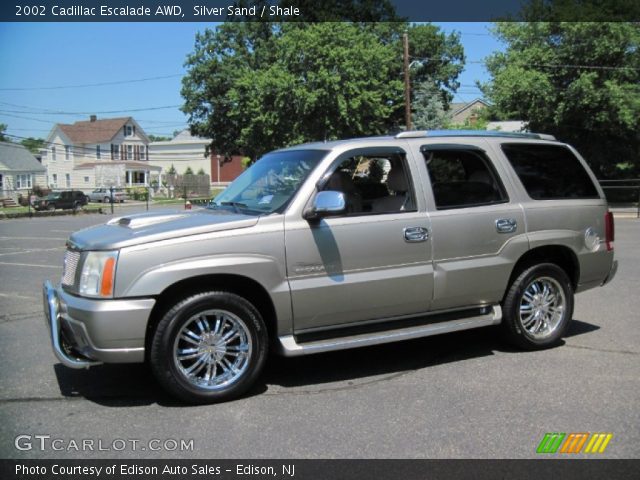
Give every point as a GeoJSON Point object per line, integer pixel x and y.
{"type": "Point", "coordinates": [37, 58]}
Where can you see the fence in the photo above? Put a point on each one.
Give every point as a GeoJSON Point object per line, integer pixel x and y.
{"type": "Point", "coordinates": [622, 192]}
{"type": "Point", "coordinates": [28, 201]}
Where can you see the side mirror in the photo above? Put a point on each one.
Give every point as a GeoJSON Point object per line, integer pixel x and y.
{"type": "Point", "coordinates": [326, 203]}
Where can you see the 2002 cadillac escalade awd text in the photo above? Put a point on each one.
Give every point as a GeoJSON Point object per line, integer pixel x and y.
{"type": "Point", "coordinates": [337, 245]}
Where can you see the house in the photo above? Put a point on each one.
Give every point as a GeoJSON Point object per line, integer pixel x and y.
{"type": "Point", "coordinates": [185, 151]}
{"type": "Point", "coordinates": [461, 112]}
{"type": "Point", "coordinates": [508, 126]}
{"type": "Point", "coordinates": [97, 153]}
{"type": "Point", "coordinates": [19, 171]}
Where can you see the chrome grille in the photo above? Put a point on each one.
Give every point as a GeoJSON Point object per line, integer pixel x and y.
{"type": "Point", "coordinates": [71, 259]}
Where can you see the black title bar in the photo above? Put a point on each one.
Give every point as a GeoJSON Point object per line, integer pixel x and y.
{"type": "Point", "coordinates": [312, 10]}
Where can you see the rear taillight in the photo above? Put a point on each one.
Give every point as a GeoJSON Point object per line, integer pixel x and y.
{"type": "Point", "coordinates": [609, 230]}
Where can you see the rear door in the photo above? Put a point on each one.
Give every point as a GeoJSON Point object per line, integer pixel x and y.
{"type": "Point", "coordinates": [478, 231]}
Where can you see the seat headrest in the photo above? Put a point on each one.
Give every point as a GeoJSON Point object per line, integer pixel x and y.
{"type": "Point", "coordinates": [397, 180]}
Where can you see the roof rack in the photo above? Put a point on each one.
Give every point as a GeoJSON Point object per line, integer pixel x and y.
{"type": "Point", "coordinates": [472, 133]}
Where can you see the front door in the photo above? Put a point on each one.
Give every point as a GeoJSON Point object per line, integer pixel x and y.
{"type": "Point", "coordinates": [373, 262]}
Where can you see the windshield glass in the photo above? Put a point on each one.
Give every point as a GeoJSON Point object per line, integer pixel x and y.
{"type": "Point", "coordinates": [269, 185]}
{"type": "Point", "coordinates": [53, 196]}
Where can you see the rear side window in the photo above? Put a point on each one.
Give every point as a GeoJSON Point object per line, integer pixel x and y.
{"type": "Point", "coordinates": [549, 172]}
{"type": "Point", "coordinates": [462, 178]}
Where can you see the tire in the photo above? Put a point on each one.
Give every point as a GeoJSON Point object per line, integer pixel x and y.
{"type": "Point", "coordinates": [106, 200]}
{"type": "Point", "coordinates": [538, 307]}
{"type": "Point", "coordinates": [51, 207]}
{"type": "Point", "coordinates": [76, 206]}
{"type": "Point", "coordinates": [190, 356]}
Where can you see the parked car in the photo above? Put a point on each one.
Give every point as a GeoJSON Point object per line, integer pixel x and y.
{"type": "Point", "coordinates": [338, 245]}
{"type": "Point", "coordinates": [68, 199]}
{"type": "Point", "coordinates": [104, 195]}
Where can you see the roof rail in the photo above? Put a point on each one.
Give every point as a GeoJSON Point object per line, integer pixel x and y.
{"type": "Point", "coordinates": [472, 133]}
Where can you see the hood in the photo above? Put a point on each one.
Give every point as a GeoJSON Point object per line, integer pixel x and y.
{"type": "Point", "coordinates": [152, 227]}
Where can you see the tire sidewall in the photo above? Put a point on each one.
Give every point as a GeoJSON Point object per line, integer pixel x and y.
{"type": "Point", "coordinates": [173, 321]}
{"type": "Point", "coordinates": [514, 297]}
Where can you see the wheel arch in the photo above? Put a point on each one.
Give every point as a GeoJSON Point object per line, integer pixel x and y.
{"type": "Point", "coordinates": [560, 255]}
{"type": "Point", "coordinates": [245, 287]}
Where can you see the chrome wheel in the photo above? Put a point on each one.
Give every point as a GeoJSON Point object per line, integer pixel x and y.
{"type": "Point", "coordinates": [542, 307]}
{"type": "Point", "coordinates": [212, 349]}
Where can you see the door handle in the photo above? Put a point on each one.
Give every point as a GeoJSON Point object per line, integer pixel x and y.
{"type": "Point", "coordinates": [506, 225]}
{"type": "Point", "coordinates": [415, 234]}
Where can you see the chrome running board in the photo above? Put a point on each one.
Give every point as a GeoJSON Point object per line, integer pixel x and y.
{"type": "Point", "coordinates": [291, 348]}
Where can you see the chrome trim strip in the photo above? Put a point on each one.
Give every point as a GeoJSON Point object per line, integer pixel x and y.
{"type": "Point", "coordinates": [291, 348]}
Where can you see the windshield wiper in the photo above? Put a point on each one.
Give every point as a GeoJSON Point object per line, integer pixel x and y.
{"type": "Point", "coordinates": [236, 205]}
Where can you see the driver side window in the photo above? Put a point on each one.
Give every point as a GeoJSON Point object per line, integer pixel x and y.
{"type": "Point", "coordinates": [373, 184]}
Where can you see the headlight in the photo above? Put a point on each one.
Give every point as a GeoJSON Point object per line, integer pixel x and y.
{"type": "Point", "coordinates": [98, 274]}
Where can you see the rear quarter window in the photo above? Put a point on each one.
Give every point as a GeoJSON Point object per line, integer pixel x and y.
{"type": "Point", "coordinates": [549, 172]}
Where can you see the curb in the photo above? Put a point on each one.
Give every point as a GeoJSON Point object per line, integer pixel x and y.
{"type": "Point", "coordinates": [55, 213]}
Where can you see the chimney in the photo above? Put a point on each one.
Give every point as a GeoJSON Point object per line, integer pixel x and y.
{"type": "Point", "coordinates": [93, 118]}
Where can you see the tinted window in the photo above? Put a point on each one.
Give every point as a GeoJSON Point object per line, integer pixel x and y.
{"type": "Point", "coordinates": [462, 178]}
{"type": "Point", "coordinates": [549, 171]}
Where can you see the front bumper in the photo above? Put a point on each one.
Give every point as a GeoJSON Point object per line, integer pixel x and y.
{"type": "Point", "coordinates": [86, 332]}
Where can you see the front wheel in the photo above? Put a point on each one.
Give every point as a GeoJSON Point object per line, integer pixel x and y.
{"type": "Point", "coordinates": [210, 347]}
{"type": "Point", "coordinates": [538, 307]}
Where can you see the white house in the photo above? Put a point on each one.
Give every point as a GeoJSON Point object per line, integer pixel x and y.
{"type": "Point", "coordinates": [19, 171]}
{"type": "Point", "coordinates": [96, 153]}
{"type": "Point", "coordinates": [182, 152]}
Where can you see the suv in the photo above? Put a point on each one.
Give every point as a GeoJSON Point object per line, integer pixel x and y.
{"type": "Point", "coordinates": [338, 245]}
{"type": "Point", "coordinates": [103, 195]}
{"type": "Point", "coordinates": [69, 199]}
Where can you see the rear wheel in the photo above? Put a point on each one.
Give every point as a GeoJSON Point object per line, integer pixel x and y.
{"type": "Point", "coordinates": [538, 307]}
{"type": "Point", "coordinates": [106, 200]}
{"type": "Point", "coordinates": [51, 207]}
{"type": "Point", "coordinates": [210, 347]}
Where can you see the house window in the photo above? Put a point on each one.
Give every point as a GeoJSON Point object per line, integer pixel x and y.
{"type": "Point", "coordinates": [1, 183]}
{"type": "Point", "coordinates": [98, 152]}
{"type": "Point", "coordinates": [53, 154]}
{"type": "Point", "coordinates": [23, 181]}
{"type": "Point", "coordinates": [115, 152]}
{"type": "Point", "coordinates": [67, 180]}
{"type": "Point", "coordinates": [67, 150]}
{"type": "Point", "coordinates": [128, 131]}
{"type": "Point", "coordinates": [86, 179]}
{"type": "Point", "coordinates": [129, 152]}
{"type": "Point", "coordinates": [54, 180]}
{"type": "Point", "coordinates": [142, 153]}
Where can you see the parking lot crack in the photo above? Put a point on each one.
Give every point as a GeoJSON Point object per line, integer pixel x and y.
{"type": "Point", "coordinates": [603, 350]}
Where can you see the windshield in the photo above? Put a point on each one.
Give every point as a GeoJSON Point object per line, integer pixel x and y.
{"type": "Point", "coordinates": [269, 185]}
{"type": "Point", "coordinates": [53, 196]}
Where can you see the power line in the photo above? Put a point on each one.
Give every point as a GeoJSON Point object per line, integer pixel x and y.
{"type": "Point", "coordinates": [87, 85]}
{"type": "Point", "coordinates": [91, 113]}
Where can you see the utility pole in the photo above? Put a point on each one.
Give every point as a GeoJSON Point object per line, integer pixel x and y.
{"type": "Point", "coordinates": [407, 84]}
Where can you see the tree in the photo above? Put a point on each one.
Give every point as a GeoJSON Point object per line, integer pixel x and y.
{"type": "Point", "coordinates": [158, 138]}
{"type": "Point", "coordinates": [188, 171]}
{"type": "Point", "coordinates": [579, 81]}
{"type": "Point", "coordinates": [34, 145]}
{"type": "Point", "coordinates": [256, 86]}
{"type": "Point", "coordinates": [427, 106]}
{"type": "Point", "coordinates": [3, 128]}
{"type": "Point", "coordinates": [172, 170]}
{"type": "Point", "coordinates": [201, 171]}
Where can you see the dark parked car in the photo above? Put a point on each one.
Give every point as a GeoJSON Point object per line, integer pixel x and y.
{"type": "Point", "coordinates": [70, 199]}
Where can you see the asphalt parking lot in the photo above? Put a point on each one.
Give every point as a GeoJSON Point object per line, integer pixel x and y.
{"type": "Point", "coordinates": [460, 395]}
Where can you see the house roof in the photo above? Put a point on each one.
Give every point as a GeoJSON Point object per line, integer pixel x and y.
{"type": "Point", "coordinates": [98, 131]}
{"type": "Point", "coordinates": [456, 108]}
{"type": "Point", "coordinates": [184, 137]}
{"type": "Point", "coordinates": [16, 158]}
